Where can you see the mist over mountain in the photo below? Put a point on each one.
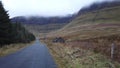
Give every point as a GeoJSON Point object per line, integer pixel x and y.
{"type": "Point", "coordinates": [99, 6]}
{"type": "Point", "coordinates": [42, 20]}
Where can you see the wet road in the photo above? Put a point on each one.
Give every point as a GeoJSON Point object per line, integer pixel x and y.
{"type": "Point", "coordinates": [35, 56]}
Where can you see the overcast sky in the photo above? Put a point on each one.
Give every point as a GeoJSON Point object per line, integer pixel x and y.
{"type": "Point", "coordinates": [44, 7]}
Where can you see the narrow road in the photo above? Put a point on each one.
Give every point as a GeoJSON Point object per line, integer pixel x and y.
{"type": "Point", "coordinates": [35, 56]}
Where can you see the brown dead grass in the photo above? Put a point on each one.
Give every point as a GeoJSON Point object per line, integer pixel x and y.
{"type": "Point", "coordinates": [8, 49]}
{"type": "Point", "coordinates": [71, 55]}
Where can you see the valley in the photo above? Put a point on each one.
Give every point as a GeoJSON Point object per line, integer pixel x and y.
{"type": "Point", "coordinates": [88, 39]}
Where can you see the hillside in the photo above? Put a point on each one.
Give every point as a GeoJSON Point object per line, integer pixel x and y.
{"type": "Point", "coordinates": [96, 31]}
{"type": "Point", "coordinates": [92, 24]}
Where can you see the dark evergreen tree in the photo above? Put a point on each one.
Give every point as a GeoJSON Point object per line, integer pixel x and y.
{"type": "Point", "coordinates": [5, 26]}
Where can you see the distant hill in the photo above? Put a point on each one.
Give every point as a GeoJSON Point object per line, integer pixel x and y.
{"type": "Point", "coordinates": [36, 24]}
{"type": "Point", "coordinates": [42, 20]}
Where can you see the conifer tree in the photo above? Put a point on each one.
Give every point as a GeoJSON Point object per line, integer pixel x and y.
{"type": "Point", "coordinates": [5, 26]}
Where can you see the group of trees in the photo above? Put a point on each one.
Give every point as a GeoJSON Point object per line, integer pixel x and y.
{"type": "Point", "coordinates": [20, 34]}
{"type": "Point", "coordinates": [12, 32]}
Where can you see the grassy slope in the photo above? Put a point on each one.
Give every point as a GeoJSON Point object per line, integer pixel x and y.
{"type": "Point", "coordinates": [89, 25]}
{"type": "Point", "coordinates": [67, 56]}
{"type": "Point", "coordinates": [106, 26]}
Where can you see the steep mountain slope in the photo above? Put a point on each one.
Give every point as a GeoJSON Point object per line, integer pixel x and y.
{"type": "Point", "coordinates": [102, 22]}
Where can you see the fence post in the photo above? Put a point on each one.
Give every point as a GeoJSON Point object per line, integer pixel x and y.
{"type": "Point", "coordinates": [112, 51]}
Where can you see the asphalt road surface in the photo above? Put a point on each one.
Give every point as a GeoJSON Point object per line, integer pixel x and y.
{"type": "Point", "coordinates": [35, 56]}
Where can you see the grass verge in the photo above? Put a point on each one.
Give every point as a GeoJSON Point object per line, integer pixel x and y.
{"type": "Point", "coordinates": [8, 49]}
{"type": "Point", "coordinates": [75, 57]}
